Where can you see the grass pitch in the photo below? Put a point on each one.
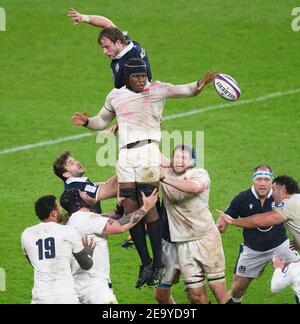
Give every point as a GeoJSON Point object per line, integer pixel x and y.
{"type": "Point", "coordinates": [49, 69]}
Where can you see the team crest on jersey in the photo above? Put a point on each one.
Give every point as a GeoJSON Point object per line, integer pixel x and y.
{"type": "Point", "coordinates": [242, 269]}
{"type": "Point", "coordinates": [117, 67]}
{"type": "Point", "coordinates": [251, 206]}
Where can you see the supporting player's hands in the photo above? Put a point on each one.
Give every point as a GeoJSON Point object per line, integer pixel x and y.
{"type": "Point", "coordinates": [113, 130]}
{"type": "Point", "coordinates": [149, 202]}
{"type": "Point", "coordinates": [76, 16]}
{"type": "Point", "coordinates": [88, 244]}
{"type": "Point", "coordinates": [80, 119]}
{"type": "Point", "coordinates": [277, 263]}
{"type": "Point", "coordinates": [294, 245]}
{"type": "Point", "coordinates": [222, 225]}
{"type": "Point", "coordinates": [226, 218]}
{"type": "Point", "coordinates": [208, 78]}
{"type": "Point", "coordinates": [87, 199]}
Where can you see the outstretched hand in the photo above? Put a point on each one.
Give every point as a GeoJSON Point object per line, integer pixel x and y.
{"type": "Point", "coordinates": [226, 218]}
{"type": "Point", "coordinates": [222, 225]}
{"type": "Point", "coordinates": [208, 78]}
{"type": "Point", "coordinates": [277, 263]}
{"type": "Point", "coordinates": [76, 16]}
{"type": "Point", "coordinates": [80, 119]}
{"type": "Point", "coordinates": [88, 244]}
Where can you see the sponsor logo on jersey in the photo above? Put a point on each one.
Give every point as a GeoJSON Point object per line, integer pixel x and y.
{"type": "Point", "coordinates": [90, 188]}
{"type": "Point", "coordinates": [117, 67]}
{"type": "Point", "coordinates": [143, 53]}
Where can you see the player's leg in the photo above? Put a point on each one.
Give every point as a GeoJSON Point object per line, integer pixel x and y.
{"type": "Point", "coordinates": [128, 191]}
{"type": "Point", "coordinates": [197, 295]}
{"type": "Point", "coordinates": [154, 232]}
{"type": "Point", "coordinates": [208, 251]}
{"type": "Point", "coordinates": [126, 171]}
{"type": "Point", "coordinates": [193, 274]}
{"type": "Point", "coordinates": [217, 285]}
{"type": "Point", "coordinates": [250, 265]}
{"type": "Point", "coordinates": [239, 288]}
{"type": "Point", "coordinates": [163, 295]}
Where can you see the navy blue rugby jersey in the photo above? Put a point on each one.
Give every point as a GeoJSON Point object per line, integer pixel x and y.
{"type": "Point", "coordinates": [133, 50]}
{"type": "Point", "coordinates": [247, 204]}
{"type": "Point", "coordinates": [84, 184]}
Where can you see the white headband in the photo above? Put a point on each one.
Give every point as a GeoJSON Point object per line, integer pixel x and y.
{"type": "Point", "coordinates": [263, 174]}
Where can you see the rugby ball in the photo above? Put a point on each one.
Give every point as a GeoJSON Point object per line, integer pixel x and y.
{"type": "Point", "coordinates": [227, 87]}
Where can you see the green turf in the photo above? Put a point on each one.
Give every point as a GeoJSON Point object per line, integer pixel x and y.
{"type": "Point", "coordinates": [49, 69]}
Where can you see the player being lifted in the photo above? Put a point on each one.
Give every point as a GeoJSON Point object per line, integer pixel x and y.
{"type": "Point", "coordinates": [138, 109]}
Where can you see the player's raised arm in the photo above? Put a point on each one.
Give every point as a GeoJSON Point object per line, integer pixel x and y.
{"type": "Point", "coordinates": [128, 221]}
{"type": "Point", "coordinates": [191, 89]}
{"type": "Point", "coordinates": [97, 21]}
{"type": "Point", "coordinates": [99, 122]}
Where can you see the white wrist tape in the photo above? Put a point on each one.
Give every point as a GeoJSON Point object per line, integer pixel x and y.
{"type": "Point", "coordinates": [85, 18]}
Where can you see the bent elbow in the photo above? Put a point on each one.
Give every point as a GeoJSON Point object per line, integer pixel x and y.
{"type": "Point", "coordinates": [198, 189]}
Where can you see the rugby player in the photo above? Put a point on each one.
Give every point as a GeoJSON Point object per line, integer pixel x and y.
{"type": "Point", "coordinates": [138, 109]}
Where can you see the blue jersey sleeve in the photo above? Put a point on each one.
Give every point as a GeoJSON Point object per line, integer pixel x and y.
{"type": "Point", "coordinates": [234, 208]}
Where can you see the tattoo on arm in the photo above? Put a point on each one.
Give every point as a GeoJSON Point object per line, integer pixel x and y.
{"type": "Point", "coordinates": [132, 218]}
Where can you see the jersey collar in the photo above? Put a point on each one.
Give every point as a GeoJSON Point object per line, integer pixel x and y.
{"type": "Point", "coordinates": [256, 196]}
{"type": "Point", "coordinates": [128, 48]}
{"type": "Point", "coordinates": [76, 179]}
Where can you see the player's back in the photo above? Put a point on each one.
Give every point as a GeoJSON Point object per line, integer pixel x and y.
{"type": "Point", "coordinates": [49, 247]}
{"type": "Point", "coordinates": [92, 225]}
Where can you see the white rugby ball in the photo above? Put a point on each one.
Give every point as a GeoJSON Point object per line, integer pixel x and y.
{"type": "Point", "coordinates": [227, 87]}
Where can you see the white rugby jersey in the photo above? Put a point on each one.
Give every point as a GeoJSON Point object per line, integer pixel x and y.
{"type": "Point", "coordinates": [139, 115]}
{"type": "Point", "coordinates": [289, 276]}
{"type": "Point", "coordinates": [91, 224]}
{"type": "Point", "coordinates": [290, 210]}
{"type": "Point", "coordinates": [188, 213]}
{"type": "Point", "coordinates": [50, 247]}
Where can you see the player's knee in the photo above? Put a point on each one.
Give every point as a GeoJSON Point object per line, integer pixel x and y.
{"type": "Point", "coordinates": [162, 295]}
{"type": "Point", "coordinates": [197, 295]}
{"type": "Point", "coordinates": [159, 296]}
